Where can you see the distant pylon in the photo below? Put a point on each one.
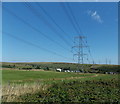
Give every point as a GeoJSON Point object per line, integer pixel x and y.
{"type": "Point", "coordinates": [109, 61]}
{"type": "Point", "coordinates": [99, 62]}
{"type": "Point", "coordinates": [106, 61]}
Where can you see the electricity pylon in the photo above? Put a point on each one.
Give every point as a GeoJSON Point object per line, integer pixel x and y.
{"type": "Point", "coordinates": [109, 61]}
{"type": "Point", "coordinates": [79, 49]}
{"type": "Point", "coordinates": [106, 61]}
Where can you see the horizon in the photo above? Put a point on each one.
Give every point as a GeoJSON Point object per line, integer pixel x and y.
{"type": "Point", "coordinates": [56, 62]}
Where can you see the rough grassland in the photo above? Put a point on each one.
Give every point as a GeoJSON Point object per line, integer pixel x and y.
{"type": "Point", "coordinates": [50, 86]}
{"type": "Point", "coordinates": [76, 91]}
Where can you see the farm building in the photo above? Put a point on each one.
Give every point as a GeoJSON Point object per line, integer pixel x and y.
{"type": "Point", "coordinates": [59, 70]}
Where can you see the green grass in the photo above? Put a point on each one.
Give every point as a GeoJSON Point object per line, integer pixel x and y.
{"type": "Point", "coordinates": [92, 91]}
{"type": "Point", "coordinates": [51, 86]}
{"type": "Point", "coordinates": [18, 76]}
{"type": "Point", "coordinates": [31, 76]}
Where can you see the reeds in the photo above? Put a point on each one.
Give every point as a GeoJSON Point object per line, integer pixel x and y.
{"type": "Point", "coordinates": [10, 92]}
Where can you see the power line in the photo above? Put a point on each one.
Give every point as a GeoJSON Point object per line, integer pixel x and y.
{"type": "Point", "coordinates": [34, 28]}
{"type": "Point", "coordinates": [79, 29]}
{"type": "Point", "coordinates": [35, 45]}
{"type": "Point", "coordinates": [75, 24]}
{"type": "Point", "coordinates": [74, 18]}
{"type": "Point", "coordinates": [89, 51]}
{"type": "Point", "coordinates": [109, 61]}
{"type": "Point", "coordinates": [69, 17]}
{"type": "Point", "coordinates": [45, 12]}
{"type": "Point", "coordinates": [38, 15]}
{"type": "Point", "coordinates": [46, 22]}
{"type": "Point", "coordinates": [99, 62]}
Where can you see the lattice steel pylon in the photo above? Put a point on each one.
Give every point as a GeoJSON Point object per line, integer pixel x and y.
{"type": "Point", "coordinates": [79, 49]}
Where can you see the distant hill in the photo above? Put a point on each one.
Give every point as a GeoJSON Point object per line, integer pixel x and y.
{"type": "Point", "coordinates": [54, 65]}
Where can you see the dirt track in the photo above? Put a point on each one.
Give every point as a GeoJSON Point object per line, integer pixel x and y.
{"type": "Point", "coordinates": [71, 78]}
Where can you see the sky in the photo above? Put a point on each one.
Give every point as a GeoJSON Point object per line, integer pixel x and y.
{"type": "Point", "coordinates": [45, 31]}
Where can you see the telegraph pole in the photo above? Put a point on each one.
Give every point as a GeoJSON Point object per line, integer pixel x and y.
{"type": "Point", "coordinates": [79, 48]}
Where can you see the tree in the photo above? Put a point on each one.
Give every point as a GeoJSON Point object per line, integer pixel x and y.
{"type": "Point", "coordinates": [37, 67]}
{"type": "Point", "coordinates": [47, 68]}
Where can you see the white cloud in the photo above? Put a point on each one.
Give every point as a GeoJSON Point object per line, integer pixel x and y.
{"type": "Point", "coordinates": [95, 16]}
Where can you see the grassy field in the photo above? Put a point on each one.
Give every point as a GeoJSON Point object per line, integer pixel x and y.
{"type": "Point", "coordinates": [51, 86]}
{"type": "Point", "coordinates": [23, 76]}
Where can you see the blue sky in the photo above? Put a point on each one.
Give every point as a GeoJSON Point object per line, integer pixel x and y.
{"type": "Point", "coordinates": [98, 22]}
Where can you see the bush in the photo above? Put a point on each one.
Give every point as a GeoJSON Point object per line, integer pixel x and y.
{"type": "Point", "coordinates": [46, 68]}
{"type": "Point", "coordinates": [37, 67]}
{"type": "Point", "coordinates": [77, 91]}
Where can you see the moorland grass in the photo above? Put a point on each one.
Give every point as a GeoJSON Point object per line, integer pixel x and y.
{"type": "Point", "coordinates": [92, 91]}
{"type": "Point", "coordinates": [50, 86]}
